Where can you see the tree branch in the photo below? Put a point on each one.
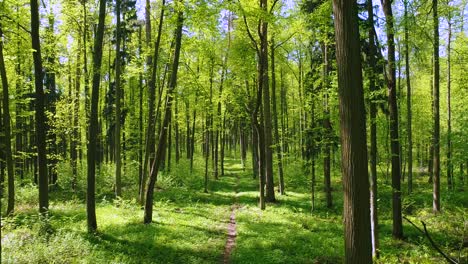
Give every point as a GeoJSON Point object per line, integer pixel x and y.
{"type": "Point", "coordinates": [434, 245]}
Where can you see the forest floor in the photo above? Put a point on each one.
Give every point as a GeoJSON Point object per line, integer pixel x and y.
{"type": "Point", "coordinates": [225, 225]}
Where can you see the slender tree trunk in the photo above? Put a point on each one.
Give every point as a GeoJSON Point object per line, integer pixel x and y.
{"type": "Point", "coordinates": [279, 153]}
{"type": "Point", "coordinates": [327, 129]}
{"type": "Point", "coordinates": [312, 156]}
{"type": "Point", "coordinates": [394, 131]}
{"type": "Point", "coordinates": [192, 141]}
{"type": "Point", "coordinates": [150, 140]}
{"type": "Point", "coordinates": [140, 118]}
{"type": "Point", "coordinates": [148, 216]}
{"type": "Point", "coordinates": [7, 130]}
{"type": "Point", "coordinates": [118, 101]}
{"type": "Point", "coordinates": [353, 134]}
{"type": "Point", "coordinates": [207, 152]}
{"type": "Point", "coordinates": [169, 146]}
{"type": "Point", "coordinates": [223, 140]}
{"type": "Point", "coordinates": [373, 134]}
{"type": "Point", "coordinates": [450, 177]}
{"type": "Point", "coordinates": [75, 141]}
{"type": "Point", "coordinates": [93, 126]}
{"type": "Point", "coordinates": [176, 132]}
{"type": "Point", "coordinates": [408, 103]}
{"type": "Point", "coordinates": [40, 110]}
{"type": "Point", "coordinates": [436, 110]}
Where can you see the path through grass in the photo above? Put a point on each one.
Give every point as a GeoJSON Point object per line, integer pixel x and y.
{"type": "Point", "coordinates": [190, 226]}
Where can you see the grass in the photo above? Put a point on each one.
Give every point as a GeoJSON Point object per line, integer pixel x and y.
{"type": "Point", "coordinates": [189, 226]}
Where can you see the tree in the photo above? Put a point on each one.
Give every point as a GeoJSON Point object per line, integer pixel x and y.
{"type": "Point", "coordinates": [373, 131]}
{"type": "Point", "coordinates": [40, 110]}
{"type": "Point", "coordinates": [148, 216]}
{"type": "Point", "coordinates": [408, 102]}
{"type": "Point", "coordinates": [93, 126]}
{"type": "Point", "coordinates": [436, 110]}
{"type": "Point", "coordinates": [7, 130]}
{"type": "Point", "coordinates": [353, 134]}
{"type": "Point", "coordinates": [150, 141]}
{"type": "Point", "coordinates": [118, 102]}
{"type": "Point", "coordinates": [450, 177]}
{"type": "Point", "coordinates": [393, 109]}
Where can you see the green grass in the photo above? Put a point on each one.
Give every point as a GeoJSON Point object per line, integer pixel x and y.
{"type": "Point", "coordinates": [189, 226]}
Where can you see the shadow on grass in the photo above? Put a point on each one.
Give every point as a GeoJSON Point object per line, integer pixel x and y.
{"type": "Point", "coordinates": [153, 243]}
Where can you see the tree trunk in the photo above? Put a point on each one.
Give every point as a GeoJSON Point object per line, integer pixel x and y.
{"type": "Point", "coordinates": [353, 134]}
{"type": "Point", "coordinates": [450, 178]}
{"type": "Point", "coordinates": [7, 130]}
{"type": "Point", "coordinates": [148, 216]}
{"type": "Point", "coordinates": [263, 73]}
{"type": "Point", "coordinates": [93, 126]}
{"type": "Point", "coordinates": [373, 133]}
{"type": "Point", "coordinates": [192, 141]}
{"type": "Point", "coordinates": [40, 110]}
{"type": "Point", "coordinates": [75, 140]}
{"type": "Point", "coordinates": [150, 140]}
{"type": "Point", "coordinates": [394, 137]}
{"type": "Point", "coordinates": [327, 129]}
{"type": "Point", "coordinates": [118, 101]}
{"type": "Point", "coordinates": [436, 110]}
{"type": "Point", "coordinates": [408, 103]}
{"type": "Point", "coordinates": [207, 152]}
{"type": "Point", "coordinates": [279, 153]}
{"type": "Point", "coordinates": [140, 119]}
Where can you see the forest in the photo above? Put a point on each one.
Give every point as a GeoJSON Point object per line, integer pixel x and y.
{"type": "Point", "coordinates": [234, 131]}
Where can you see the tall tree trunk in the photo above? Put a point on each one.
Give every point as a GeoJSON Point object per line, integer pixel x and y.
{"type": "Point", "coordinates": [176, 132]}
{"type": "Point", "coordinates": [7, 130]}
{"type": "Point", "coordinates": [207, 151]}
{"type": "Point", "coordinates": [75, 141]}
{"type": "Point", "coordinates": [40, 110]}
{"type": "Point", "coordinates": [353, 134]}
{"type": "Point", "coordinates": [263, 73]}
{"type": "Point", "coordinates": [140, 118]}
{"type": "Point", "coordinates": [150, 140]}
{"type": "Point", "coordinates": [450, 177]}
{"type": "Point", "coordinates": [148, 216]}
{"type": "Point", "coordinates": [312, 156]}
{"type": "Point", "coordinates": [279, 153]}
{"type": "Point", "coordinates": [436, 110]}
{"type": "Point", "coordinates": [394, 137]}
{"type": "Point", "coordinates": [192, 141]}
{"type": "Point", "coordinates": [373, 133]}
{"type": "Point", "coordinates": [118, 101]}
{"type": "Point", "coordinates": [327, 129]}
{"type": "Point", "coordinates": [408, 102]}
{"type": "Point", "coordinates": [50, 100]}
{"type": "Point", "coordinates": [93, 121]}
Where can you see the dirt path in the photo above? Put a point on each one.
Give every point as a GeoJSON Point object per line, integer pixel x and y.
{"type": "Point", "coordinates": [231, 230]}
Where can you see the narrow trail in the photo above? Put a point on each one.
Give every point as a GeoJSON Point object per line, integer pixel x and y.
{"type": "Point", "coordinates": [232, 228]}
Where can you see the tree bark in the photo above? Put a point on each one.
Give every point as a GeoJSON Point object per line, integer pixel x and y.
{"type": "Point", "coordinates": [40, 111]}
{"type": "Point", "coordinates": [394, 137]}
{"type": "Point", "coordinates": [408, 103]}
{"type": "Point", "coordinates": [150, 140]}
{"type": "Point", "coordinates": [93, 126]}
{"type": "Point", "coordinates": [373, 133]}
{"type": "Point", "coordinates": [450, 178]}
{"type": "Point", "coordinates": [118, 102]}
{"type": "Point", "coordinates": [436, 110]}
{"type": "Point", "coordinates": [279, 153]}
{"type": "Point", "coordinates": [263, 72]}
{"type": "Point", "coordinates": [353, 134]}
{"type": "Point", "coordinates": [7, 130]}
{"type": "Point", "coordinates": [148, 216]}
{"type": "Point", "coordinates": [327, 129]}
